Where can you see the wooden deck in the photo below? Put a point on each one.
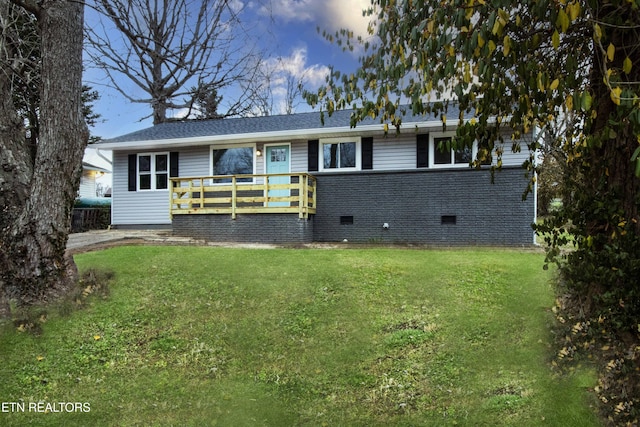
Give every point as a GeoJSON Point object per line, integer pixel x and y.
{"type": "Point", "coordinates": [243, 194]}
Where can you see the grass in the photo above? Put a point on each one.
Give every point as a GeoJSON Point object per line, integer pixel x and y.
{"type": "Point", "coordinates": [356, 337]}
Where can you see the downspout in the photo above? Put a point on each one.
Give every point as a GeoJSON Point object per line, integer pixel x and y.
{"type": "Point", "coordinates": [102, 156]}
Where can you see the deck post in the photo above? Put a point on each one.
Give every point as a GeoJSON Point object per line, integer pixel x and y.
{"type": "Point", "coordinates": [201, 193]}
{"type": "Point", "coordinates": [302, 203]}
{"type": "Point", "coordinates": [314, 193]}
{"type": "Point", "coordinates": [234, 195]}
{"type": "Point", "coordinates": [171, 198]}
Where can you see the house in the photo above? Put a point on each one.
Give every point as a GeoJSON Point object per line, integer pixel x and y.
{"type": "Point", "coordinates": [94, 166]}
{"type": "Point", "coordinates": [293, 179]}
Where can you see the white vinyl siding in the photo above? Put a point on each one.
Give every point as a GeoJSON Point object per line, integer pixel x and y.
{"type": "Point", "coordinates": [135, 207]}
{"type": "Point", "coordinates": [394, 152]}
{"type": "Point", "coordinates": [299, 159]}
{"type": "Point", "coordinates": [87, 184]}
{"type": "Point", "coordinates": [194, 161]}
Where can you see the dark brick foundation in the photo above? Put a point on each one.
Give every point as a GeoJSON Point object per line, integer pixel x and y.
{"type": "Point", "coordinates": [431, 207]}
{"type": "Point", "coordinates": [434, 207]}
{"type": "Point", "coordinates": [247, 228]}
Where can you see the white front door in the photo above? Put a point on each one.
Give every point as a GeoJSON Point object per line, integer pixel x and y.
{"type": "Point", "coordinates": [277, 162]}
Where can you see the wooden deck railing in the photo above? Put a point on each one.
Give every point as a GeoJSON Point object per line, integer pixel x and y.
{"type": "Point", "coordinates": [235, 194]}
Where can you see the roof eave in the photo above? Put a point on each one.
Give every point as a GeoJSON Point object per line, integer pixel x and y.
{"type": "Point", "coordinates": [262, 137]}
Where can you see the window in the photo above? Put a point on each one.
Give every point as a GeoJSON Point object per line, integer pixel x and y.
{"type": "Point", "coordinates": [346, 220]}
{"type": "Point", "coordinates": [232, 161]}
{"type": "Point", "coordinates": [448, 220]}
{"type": "Point", "coordinates": [443, 155]}
{"type": "Point", "coordinates": [153, 171]}
{"type": "Point", "coordinates": [279, 154]}
{"type": "Point", "coordinates": [340, 154]}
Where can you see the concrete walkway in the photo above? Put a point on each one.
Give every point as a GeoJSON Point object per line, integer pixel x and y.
{"type": "Point", "coordinates": [97, 238]}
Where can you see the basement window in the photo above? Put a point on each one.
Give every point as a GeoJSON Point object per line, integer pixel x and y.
{"type": "Point", "coordinates": [448, 220]}
{"type": "Point", "coordinates": [346, 220]}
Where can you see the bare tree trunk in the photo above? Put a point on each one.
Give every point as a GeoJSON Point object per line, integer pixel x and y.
{"type": "Point", "coordinates": [16, 166]}
{"type": "Point", "coordinates": [15, 174]}
{"type": "Point", "coordinates": [34, 266]}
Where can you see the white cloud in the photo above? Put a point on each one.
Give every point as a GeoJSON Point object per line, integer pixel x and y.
{"type": "Point", "coordinates": [295, 66]}
{"type": "Point", "coordinates": [236, 5]}
{"type": "Point", "coordinates": [286, 71]}
{"type": "Point", "coordinates": [330, 15]}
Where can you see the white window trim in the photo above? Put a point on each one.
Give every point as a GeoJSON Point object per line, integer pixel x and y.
{"type": "Point", "coordinates": [228, 146]}
{"type": "Point", "coordinates": [432, 151]}
{"type": "Point", "coordinates": [152, 172]}
{"type": "Point", "coordinates": [356, 139]}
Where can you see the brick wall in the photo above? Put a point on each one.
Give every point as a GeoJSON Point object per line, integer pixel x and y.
{"type": "Point", "coordinates": [262, 228]}
{"type": "Point", "coordinates": [435, 207]}
{"type": "Point", "coordinates": [432, 207]}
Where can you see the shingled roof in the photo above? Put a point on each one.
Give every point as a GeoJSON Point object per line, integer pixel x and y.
{"type": "Point", "coordinates": [256, 126]}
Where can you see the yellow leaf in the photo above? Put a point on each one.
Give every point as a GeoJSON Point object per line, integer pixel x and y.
{"type": "Point", "coordinates": [430, 25]}
{"type": "Point", "coordinates": [627, 65]}
{"type": "Point", "coordinates": [554, 84]}
{"type": "Point", "coordinates": [563, 21]}
{"type": "Point", "coordinates": [586, 100]}
{"type": "Point", "coordinates": [615, 95]}
{"type": "Point", "coordinates": [555, 39]}
{"type": "Point", "coordinates": [481, 40]}
{"type": "Point", "coordinates": [40, 358]}
{"type": "Point", "coordinates": [611, 52]}
{"type": "Point", "coordinates": [96, 337]}
{"type": "Point", "coordinates": [506, 45]}
{"type": "Point", "coordinates": [541, 87]}
{"type": "Point", "coordinates": [568, 102]}
{"type": "Point", "coordinates": [574, 10]}
{"type": "Point", "coordinates": [597, 32]}
{"type": "Point", "coordinates": [497, 28]}
{"type": "Point", "coordinates": [492, 46]}
{"type": "Point", "coordinates": [386, 127]}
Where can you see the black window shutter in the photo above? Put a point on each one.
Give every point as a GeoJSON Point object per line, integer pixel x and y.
{"type": "Point", "coordinates": [173, 164]}
{"type": "Point", "coordinates": [313, 146]}
{"type": "Point", "coordinates": [133, 172]}
{"type": "Point", "coordinates": [367, 153]}
{"type": "Point", "coordinates": [422, 151]}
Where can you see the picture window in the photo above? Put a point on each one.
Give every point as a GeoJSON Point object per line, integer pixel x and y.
{"type": "Point", "coordinates": [232, 161]}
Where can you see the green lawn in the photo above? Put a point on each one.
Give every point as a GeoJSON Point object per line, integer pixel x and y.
{"type": "Point", "coordinates": [249, 337]}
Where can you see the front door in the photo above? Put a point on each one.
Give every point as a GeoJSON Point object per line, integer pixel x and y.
{"type": "Point", "coordinates": [277, 161]}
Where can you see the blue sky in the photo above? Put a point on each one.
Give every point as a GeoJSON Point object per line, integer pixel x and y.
{"type": "Point", "coordinates": [288, 31]}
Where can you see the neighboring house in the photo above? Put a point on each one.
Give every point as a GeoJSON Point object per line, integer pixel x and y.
{"type": "Point", "coordinates": [292, 179]}
{"type": "Point", "coordinates": [88, 179]}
